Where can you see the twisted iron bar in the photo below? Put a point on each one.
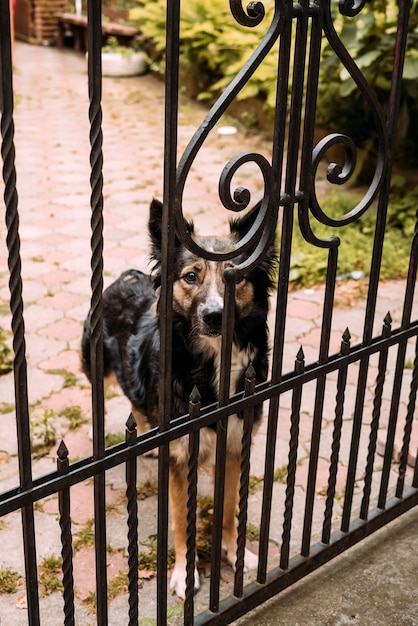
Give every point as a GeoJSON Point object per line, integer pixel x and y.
{"type": "Point", "coordinates": [408, 426]}
{"type": "Point", "coordinates": [96, 181]}
{"type": "Point", "coordinates": [336, 439]}
{"type": "Point", "coordinates": [96, 203]}
{"type": "Point", "coordinates": [96, 340]}
{"type": "Point", "coordinates": [374, 426]}
{"type": "Point", "coordinates": [13, 246]}
{"type": "Point", "coordinates": [132, 509]}
{"type": "Point", "coordinates": [66, 538]}
{"type": "Point", "coordinates": [406, 320]}
{"type": "Point", "coordinates": [292, 462]}
{"type": "Point", "coordinates": [268, 215]}
{"type": "Point", "coordinates": [248, 420]}
{"type": "Point", "coordinates": [194, 445]}
{"type": "Point", "coordinates": [16, 306]}
{"type": "Point", "coordinates": [336, 173]}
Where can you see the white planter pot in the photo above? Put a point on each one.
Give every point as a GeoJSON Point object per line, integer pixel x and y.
{"type": "Point", "coordinates": [117, 64]}
{"type": "Point", "coordinates": [128, 64]}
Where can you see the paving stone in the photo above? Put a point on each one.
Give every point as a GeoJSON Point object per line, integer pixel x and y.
{"type": "Point", "coordinates": [62, 329]}
{"type": "Point", "coordinates": [68, 360]}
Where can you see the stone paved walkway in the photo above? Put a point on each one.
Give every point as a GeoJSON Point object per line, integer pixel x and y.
{"type": "Point", "coordinates": [52, 161]}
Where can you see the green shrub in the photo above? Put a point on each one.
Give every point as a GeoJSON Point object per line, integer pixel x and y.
{"type": "Point", "coordinates": [214, 48]}
{"type": "Point", "coordinates": [309, 263]}
{"type": "Point", "coordinates": [370, 40]}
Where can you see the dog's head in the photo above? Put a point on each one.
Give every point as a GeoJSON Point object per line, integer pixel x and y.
{"type": "Point", "coordinates": [199, 284]}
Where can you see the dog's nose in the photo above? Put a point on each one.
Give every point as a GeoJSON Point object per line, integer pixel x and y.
{"type": "Point", "coordinates": [213, 319]}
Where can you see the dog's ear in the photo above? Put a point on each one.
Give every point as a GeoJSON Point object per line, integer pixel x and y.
{"type": "Point", "coordinates": [241, 225]}
{"type": "Point", "coordinates": [155, 226]}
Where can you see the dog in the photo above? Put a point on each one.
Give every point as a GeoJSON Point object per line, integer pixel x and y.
{"type": "Point", "coordinates": [132, 347]}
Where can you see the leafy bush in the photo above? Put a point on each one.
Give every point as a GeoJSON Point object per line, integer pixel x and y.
{"type": "Point", "coordinates": [214, 48]}
{"type": "Point", "coordinates": [370, 40]}
{"type": "Point", "coordinates": [309, 263]}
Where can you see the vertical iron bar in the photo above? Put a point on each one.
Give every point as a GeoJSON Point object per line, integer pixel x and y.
{"type": "Point", "coordinates": [194, 441]}
{"type": "Point", "coordinates": [283, 283]}
{"type": "Point", "coordinates": [411, 279]}
{"type": "Point", "coordinates": [248, 420]}
{"type": "Point", "coordinates": [336, 440]}
{"type": "Point", "coordinates": [393, 418]}
{"type": "Point", "coordinates": [308, 138]}
{"type": "Point", "coordinates": [313, 464]}
{"type": "Point", "coordinates": [355, 440]}
{"type": "Point", "coordinates": [296, 105]}
{"type": "Point", "coordinates": [374, 426]}
{"type": "Point", "coordinates": [408, 426]}
{"type": "Point", "coordinates": [94, 30]}
{"type": "Point", "coordinates": [291, 471]}
{"type": "Point", "coordinates": [16, 306]}
{"type": "Point", "coordinates": [319, 401]}
{"type": "Point", "coordinates": [166, 292]}
{"type": "Point", "coordinates": [406, 320]}
{"type": "Point", "coordinates": [415, 476]}
{"type": "Point", "coordinates": [66, 538]}
{"type": "Point", "coordinates": [377, 254]}
{"type": "Point", "coordinates": [132, 508]}
{"type": "Point", "coordinates": [391, 127]}
{"type": "Point", "coordinates": [228, 319]}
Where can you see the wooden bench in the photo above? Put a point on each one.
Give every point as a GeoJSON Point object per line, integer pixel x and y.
{"type": "Point", "coordinates": [77, 25]}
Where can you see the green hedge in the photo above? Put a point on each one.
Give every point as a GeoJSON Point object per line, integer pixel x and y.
{"type": "Point", "coordinates": [214, 48]}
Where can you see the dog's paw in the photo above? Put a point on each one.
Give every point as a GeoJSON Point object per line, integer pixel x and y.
{"type": "Point", "coordinates": [178, 580]}
{"type": "Point", "coordinates": [250, 560]}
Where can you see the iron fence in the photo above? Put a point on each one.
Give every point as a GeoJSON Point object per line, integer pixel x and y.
{"type": "Point", "coordinates": [289, 192]}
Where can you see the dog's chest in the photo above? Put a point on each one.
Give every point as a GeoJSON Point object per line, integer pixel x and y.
{"type": "Point", "coordinates": [240, 360]}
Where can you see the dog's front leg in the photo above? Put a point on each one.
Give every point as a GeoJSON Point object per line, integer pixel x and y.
{"type": "Point", "coordinates": [178, 503]}
{"type": "Point", "coordinates": [229, 527]}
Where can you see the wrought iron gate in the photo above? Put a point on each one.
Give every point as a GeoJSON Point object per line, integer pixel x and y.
{"type": "Point", "coordinates": [289, 191]}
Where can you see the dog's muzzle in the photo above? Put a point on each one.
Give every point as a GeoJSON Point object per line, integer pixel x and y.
{"type": "Point", "coordinates": [212, 323]}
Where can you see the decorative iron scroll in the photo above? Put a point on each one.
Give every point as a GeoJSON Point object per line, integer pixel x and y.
{"type": "Point", "coordinates": [280, 31]}
{"type": "Point", "coordinates": [337, 174]}
{"type": "Point", "coordinates": [239, 200]}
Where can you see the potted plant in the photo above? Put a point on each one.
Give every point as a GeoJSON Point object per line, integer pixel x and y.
{"type": "Point", "coordinates": [118, 60]}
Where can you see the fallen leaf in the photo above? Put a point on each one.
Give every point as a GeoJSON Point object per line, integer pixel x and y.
{"type": "Point", "coordinates": [22, 603]}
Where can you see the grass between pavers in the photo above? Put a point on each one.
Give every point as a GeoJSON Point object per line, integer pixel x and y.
{"type": "Point", "coordinates": [70, 379]}
{"type": "Point", "coordinates": [50, 575]}
{"type": "Point", "coordinates": [6, 354]}
{"type": "Point", "coordinates": [9, 580]}
{"type": "Point", "coordinates": [308, 264]}
{"type": "Point", "coordinates": [74, 415]}
{"type": "Point", "coordinates": [255, 483]}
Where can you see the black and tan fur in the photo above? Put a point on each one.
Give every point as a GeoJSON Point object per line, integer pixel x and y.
{"type": "Point", "coordinates": [131, 353]}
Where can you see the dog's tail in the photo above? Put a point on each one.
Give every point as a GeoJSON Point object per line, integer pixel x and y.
{"type": "Point", "coordinates": [85, 347]}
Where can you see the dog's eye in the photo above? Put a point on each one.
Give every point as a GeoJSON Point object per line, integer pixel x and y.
{"type": "Point", "coordinates": [190, 277]}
